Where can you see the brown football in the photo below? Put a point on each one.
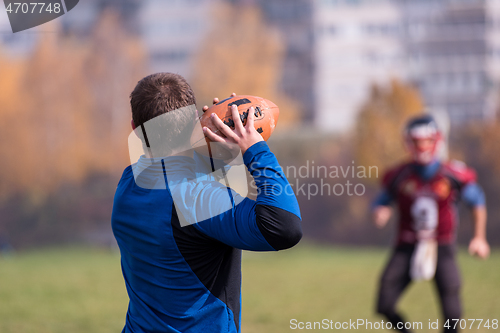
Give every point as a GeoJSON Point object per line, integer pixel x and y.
{"type": "Point", "coordinates": [266, 114]}
{"type": "Point", "coordinates": [266, 118]}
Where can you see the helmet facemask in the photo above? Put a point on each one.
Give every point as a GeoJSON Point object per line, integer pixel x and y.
{"type": "Point", "coordinates": [423, 138]}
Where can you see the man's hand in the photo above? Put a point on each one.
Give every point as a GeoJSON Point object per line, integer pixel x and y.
{"type": "Point", "coordinates": [479, 246]}
{"type": "Point", "coordinates": [215, 101]}
{"type": "Point", "coordinates": [243, 136]}
{"type": "Point", "coordinates": [381, 215]}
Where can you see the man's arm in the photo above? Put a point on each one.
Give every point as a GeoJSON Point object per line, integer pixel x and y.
{"type": "Point", "coordinates": [272, 222]}
{"type": "Point", "coordinates": [479, 245]}
{"type": "Point", "coordinates": [473, 195]}
{"type": "Point", "coordinates": [381, 210]}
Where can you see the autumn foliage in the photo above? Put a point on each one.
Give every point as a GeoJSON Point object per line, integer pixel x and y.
{"type": "Point", "coordinates": [378, 134]}
{"type": "Point", "coordinates": [64, 108]}
{"type": "Point", "coordinates": [65, 121]}
{"type": "Point", "coordinates": [245, 55]}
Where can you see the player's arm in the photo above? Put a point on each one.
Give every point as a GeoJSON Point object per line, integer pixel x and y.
{"type": "Point", "coordinates": [473, 195]}
{"type": "Point", "coordinates": [381, 209]}
{"type": "Point", "coordinates": [272, 222]}
{"type": "Point", "coordinates": [479, 245]}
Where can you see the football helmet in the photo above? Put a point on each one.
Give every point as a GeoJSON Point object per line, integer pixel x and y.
{"type": "Point", "coordinates": [422, 138]}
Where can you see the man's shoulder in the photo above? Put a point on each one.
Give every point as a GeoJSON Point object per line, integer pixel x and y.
{"type": "Point", "coordinates": [127, 172]}
{"type": "Point", "coordinates": [459, 171]}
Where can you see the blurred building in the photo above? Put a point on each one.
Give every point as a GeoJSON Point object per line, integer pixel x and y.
{"type": "Point", "coordinates": [173, 31]}
{"type": "Point", "coordinates": [357, 43]}
{"type": "Point", "coordinates": [83, 20]}
{"type": "Point", "coordinates": [79, 22]}
{"type": "Point", "coordinates": [127, 9]}
{"type": "Point", "coordinates": [335, 49]}
{"type": "Point", "coordinates": [294, 20]}
{"type": "Point", "coordinates": [449, 49]}
{"type": "Point", "coordinates": [447, 46]}
{"type": "Point", "coordinates": [14, 44]}
{"type": "Point", "coordinates": [492, 8]}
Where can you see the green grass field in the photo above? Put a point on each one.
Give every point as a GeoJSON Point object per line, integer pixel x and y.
{"type": "Point", "coordinates": [76, 290]}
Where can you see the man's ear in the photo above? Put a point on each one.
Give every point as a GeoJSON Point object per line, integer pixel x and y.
{"type": "Point", "coordinates": [132, 123]}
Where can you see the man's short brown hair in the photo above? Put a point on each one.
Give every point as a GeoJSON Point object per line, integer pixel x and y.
{"type": "Point", "coordinates": [157, 94]}
{"type": "Point", "coordinates": [154, 96]}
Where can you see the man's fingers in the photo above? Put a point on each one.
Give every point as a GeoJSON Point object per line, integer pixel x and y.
{"type": "Point", "coordinates": [250, 118]}
{"type": "Point", "coordinates": [223, 128]}
{"type": "Point", "coordinates": [479, 249]}
{"type": "Point", "coordinates": [212, 136]}
{"type": "Point", "coordinates": [484, 252]}
{"type": "Point", "coordinates": [216, 100]}
{"type": "Point", "coordinates": [238, 125]}
{"type": "Point", "coordinates": [205, 108]}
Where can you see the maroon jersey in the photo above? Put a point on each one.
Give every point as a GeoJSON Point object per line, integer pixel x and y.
{"type": "Point", "coordinates": [427, 204]}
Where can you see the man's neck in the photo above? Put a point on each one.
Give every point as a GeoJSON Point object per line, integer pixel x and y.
{"type": "Point", "coordinates": [427, 171]}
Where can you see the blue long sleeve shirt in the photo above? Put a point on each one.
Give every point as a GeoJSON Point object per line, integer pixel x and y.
{"type": "Point", "coordinates": [181, 244]}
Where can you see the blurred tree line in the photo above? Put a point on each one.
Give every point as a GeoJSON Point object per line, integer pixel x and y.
{"type": "Point", "coordinates": [65, 122]}
{"type": "Point", "coordinates": [377, 135]}
{"type": "Point", "coordinates": [64, 126]}
{"type": "Point", "coordinates": [66, 116]}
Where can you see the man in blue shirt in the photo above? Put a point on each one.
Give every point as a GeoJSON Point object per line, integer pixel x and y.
{"type": "Point", "coordinates": [180, 232]}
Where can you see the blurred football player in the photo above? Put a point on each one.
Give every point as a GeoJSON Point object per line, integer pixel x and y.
{"type": "Point", "coordinates": [425, 192]}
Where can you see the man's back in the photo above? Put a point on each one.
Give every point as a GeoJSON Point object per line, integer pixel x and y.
{"type": "Point", "coordinates": [160, 281]}
{"type": "Point", "coordinates": [188, 279]}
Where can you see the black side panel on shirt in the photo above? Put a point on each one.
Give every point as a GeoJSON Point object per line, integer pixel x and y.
{"type": "Point", "coordinates": [280, 228]}
{"type": "Point", "coordinates": [217, 265]}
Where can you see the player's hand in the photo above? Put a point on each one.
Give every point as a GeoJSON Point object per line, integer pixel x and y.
{"type": "Point", "coordinates": [243, 136]}
{"type": "Point", "coordinates": [215, 101]}
{"type": "Point", "coordinates": [381, 215]}
{"type": "Point", "coordinates": [479, 247]}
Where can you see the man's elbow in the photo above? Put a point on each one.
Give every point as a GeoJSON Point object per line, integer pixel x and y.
{"type": "Point", "coordinates": [293, 234]}
{"type": "Point", "coordinates": [281, 228]}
